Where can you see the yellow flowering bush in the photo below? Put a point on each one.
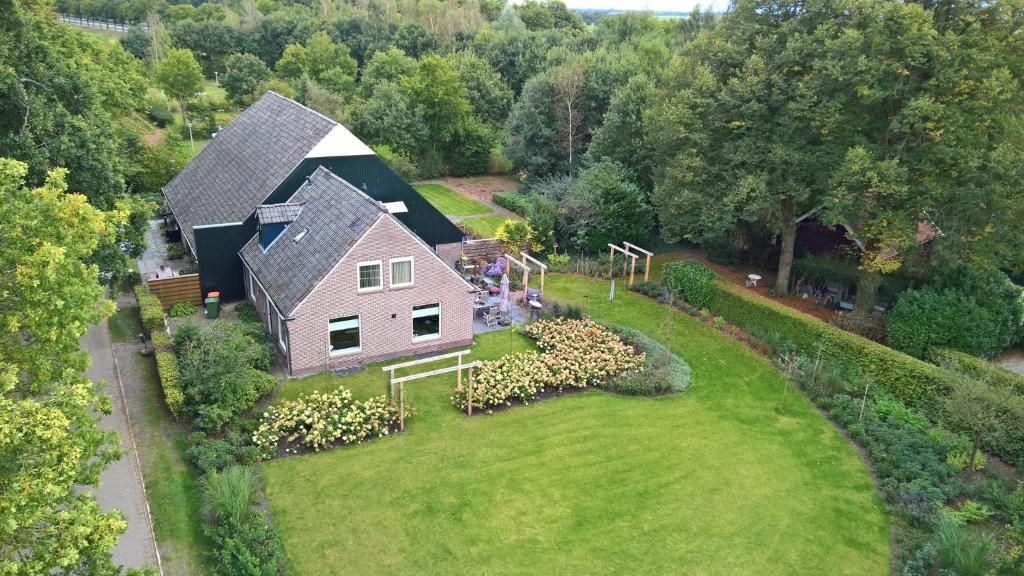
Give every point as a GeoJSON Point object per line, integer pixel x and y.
{"type": "Point", "coordinates": [321, 419]}
{"type": "Point", "coordinates": [575, 353]}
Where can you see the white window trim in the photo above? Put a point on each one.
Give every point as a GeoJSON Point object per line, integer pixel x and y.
{"type": "Point", "coordinates": [270, 323]}
{"type": "Point", "coordinates": [380, 267]}
{"type": "Point", "coordinates": [280, 331]}
{"type": "Point", "coordinates": [346, 351]}
{"type": "Point", "coordinates": [252, 286]}
{"type": "Point", "coordinates": [429, 337]}
{"type": "Point", "coordinates": [412, 272]}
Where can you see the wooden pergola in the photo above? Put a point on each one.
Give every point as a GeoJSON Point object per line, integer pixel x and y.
{"type": "Point", "coordinates": [612, 249]}
{"type": "Point", "coordinates": [524, 264]}
{"type": "Point", "coordinates": [647, 262]}
{"type": "Point", "coordinates": [401, 380]}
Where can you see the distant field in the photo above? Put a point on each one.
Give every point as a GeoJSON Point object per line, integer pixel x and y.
{"type": "Point", "coordinates": [450, 202]}
{"type": "Point", "coordinates": [484, 226]}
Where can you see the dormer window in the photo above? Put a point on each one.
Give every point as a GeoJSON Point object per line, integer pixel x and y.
{"type": "Point", "coordinates": [274, 220]}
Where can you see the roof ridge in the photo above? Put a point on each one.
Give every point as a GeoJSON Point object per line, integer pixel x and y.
{"type": "Point", "coordinates": [301, 105]}
{"type": "Point", "coordinates": [378, 205]}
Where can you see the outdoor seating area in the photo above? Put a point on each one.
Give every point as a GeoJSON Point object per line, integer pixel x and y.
{"type": "Point", "coordinates": [496, 305]}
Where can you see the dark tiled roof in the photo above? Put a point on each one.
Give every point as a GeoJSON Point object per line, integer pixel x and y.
{"type": "Point", "coordinates": [335, 217]}
{"type": "Point", "coordinates": [239, 168]}
{"type": "Point", "coordinates": [277, 213]}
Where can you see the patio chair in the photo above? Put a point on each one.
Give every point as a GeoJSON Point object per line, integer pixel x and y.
{"type": "Point", "coordinates": [491, 319]}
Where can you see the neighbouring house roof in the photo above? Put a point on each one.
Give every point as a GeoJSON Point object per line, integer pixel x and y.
{"type": "Point", "coordinates": [249, 158]}
{"type": "Point", "coordinates": [278, 213]}
{"type": "Point", "coordinates": [335, 216]}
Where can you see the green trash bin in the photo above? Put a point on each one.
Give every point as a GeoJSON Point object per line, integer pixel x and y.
{"type": "Point", "coordinates": [212, 307]}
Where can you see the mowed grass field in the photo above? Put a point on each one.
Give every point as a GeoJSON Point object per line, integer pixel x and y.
{"type": "Point", "coordinates": [731, 477]}
{"type": "Point", "coordinates": [484, 226]}
{"type": "Point", "coordinates": [450, 202]}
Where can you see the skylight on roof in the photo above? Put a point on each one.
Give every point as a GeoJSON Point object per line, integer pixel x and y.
{"type": "Point", "coordinates": [300, 235]}
{"type": "Point", "coordinates": [396, 207]}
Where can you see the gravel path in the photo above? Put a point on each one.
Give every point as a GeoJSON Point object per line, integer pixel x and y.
{"type": "Point", "coordinates": [121, 484]}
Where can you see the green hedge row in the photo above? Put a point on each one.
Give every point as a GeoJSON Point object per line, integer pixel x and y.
{"type": "Point", "coordinates": [915, 382]}
{"type": "Point", "coordinates": [514, 201]}
{"type": "Point", "coordinates": [167, 370]}
{"type": "Point", "coordinates": [150, 309]}
{"type": "Point", "coordinates": [977, 368]}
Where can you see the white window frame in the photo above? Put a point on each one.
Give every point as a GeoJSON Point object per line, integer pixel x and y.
{"type": "Point", "coordinates": [270, 323]}
{"type": "Point", "coordinates": [428, 337]}
{"type": "Point", "coordinates": [280, 331]}
{"type": "Point", "coordinates": [346, 351]}
{"type": "Point", "coordinates": [380, 276]}
{"type": "Point", "coordinates": [412, 272]}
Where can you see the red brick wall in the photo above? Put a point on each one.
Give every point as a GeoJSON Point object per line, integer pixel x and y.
{"type": "Point", "coordinates": [381, 335]}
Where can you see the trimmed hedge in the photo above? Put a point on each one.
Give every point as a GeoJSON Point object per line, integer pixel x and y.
{"type": "Point", "coordinates": [915, 382]}
{"type": "Point", "coordinates": [514, 201]}
{"type": "Point", "coordinates": [150, 309]}
{"type": "Point", "coordinates": [162, 341]}
{"type": "Point", "coordinates": [978, 368]}
{"type": "Point", "coordinates": [167, 370]}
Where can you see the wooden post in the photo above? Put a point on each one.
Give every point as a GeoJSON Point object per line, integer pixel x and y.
{"type": "Point", "coordinates": [632, 269]}
{"type": "Point", "coordinates": [647, 268]}
{"type": "Point", "coordinates": [526, 282]}
{"type": "Point", "coordinates": [401, 407]}
{"type": "Point", "coordinates": [541, 280]}
{"type": "Point", "coordinates": [458, 375]}
{"type": "Point", "coordinates": [469, 394]}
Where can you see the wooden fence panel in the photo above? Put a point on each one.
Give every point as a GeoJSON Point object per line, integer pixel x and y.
{"type": "Point", "coordinates": [183, 288]}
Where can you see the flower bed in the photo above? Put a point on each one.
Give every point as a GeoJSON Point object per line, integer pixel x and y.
{"type": "Point", "coordinates": [322, 419]}
{"type": "Point", "coordinates": [575, 353]}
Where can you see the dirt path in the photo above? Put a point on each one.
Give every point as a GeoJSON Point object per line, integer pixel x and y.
{"type": "Point", "coordinates": [481, 189]}
{"type": "Point", "coordinates": [121, 485]}
{"type": "Point", "coordinates": [1012, 361]}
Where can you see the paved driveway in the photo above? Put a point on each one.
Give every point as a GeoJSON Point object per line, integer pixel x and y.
{"type": "Point", "coordinates": [121, 483]}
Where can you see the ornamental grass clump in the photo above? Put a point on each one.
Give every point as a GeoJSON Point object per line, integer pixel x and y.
{"type": "Point", "coordinates": [575, 353]}
{"type": "Point", "coordinates": [321, 419]}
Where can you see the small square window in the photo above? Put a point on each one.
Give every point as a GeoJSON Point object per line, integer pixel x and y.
{"type": "Point", "coordinates": [426, 322]}
{"type": "Point", "coordinates": [344, 334]}
{"type": "Point", "coordinates": [369, 275]}
{"type": "Point", "coordinates": [401, 272]}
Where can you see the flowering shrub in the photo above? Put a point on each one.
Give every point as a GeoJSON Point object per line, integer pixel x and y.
{"type": "Point", "coordinates": [497, 268]}
{"type": "Point", "coordinates": [320, 419]}
{"type": "Point", "coordinates": [575, 353]}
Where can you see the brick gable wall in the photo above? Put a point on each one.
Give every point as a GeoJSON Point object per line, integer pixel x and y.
{"type": "Point", "coordinates": [381, 335]}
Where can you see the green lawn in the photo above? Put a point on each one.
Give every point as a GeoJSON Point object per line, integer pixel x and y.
{"type": "Point", "coordinates": [484, 226]}
{"type": "Point", "coordinates": [731, 477]}
{"type": "Point", "coordinates": [450, 202]}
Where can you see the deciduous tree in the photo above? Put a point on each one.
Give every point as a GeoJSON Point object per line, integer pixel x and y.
{"type": "Point", "coordinates": [180, 77]}
{"type": "Point", "coordinates": [49, 442]}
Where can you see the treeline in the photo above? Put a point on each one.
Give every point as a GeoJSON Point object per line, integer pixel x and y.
{"type": "Point", "coordinates": [429, 84]}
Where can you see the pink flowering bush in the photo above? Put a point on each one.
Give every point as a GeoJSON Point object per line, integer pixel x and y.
{"type": "Point", "coordinates": [575, 353]}
{"type": "Point", "coordinates": [321, 419]}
